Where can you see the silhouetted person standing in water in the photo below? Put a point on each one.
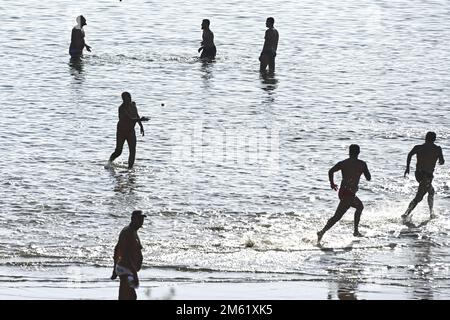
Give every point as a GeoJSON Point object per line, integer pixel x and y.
{"type": "Point", "coordinates": [128, 257]}
{"type": "Point", "coordinates": [77, 43]}
{"type": "Point", "coordinates": [207, 45]}
{"type": "Point", "coordinates": [269, 50]}
{"type": "Point", "coordinates": [128, 116]}
{"type": "Point", "coordinates": [352, 169]}
{"type": "Point", "coordinates": [427, 155]}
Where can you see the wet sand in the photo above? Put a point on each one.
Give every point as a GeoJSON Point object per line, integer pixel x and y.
{"type": "Point", "coordinates": [214, 289]}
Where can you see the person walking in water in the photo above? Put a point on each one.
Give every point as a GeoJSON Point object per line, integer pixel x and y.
{"type": "Point", "coordinates": [128, 257]}
{"type": "Point", "coordinates": [269, 51]}
{"type": "Point", "coordinates": [207, 45]}
{"type": "Point", "coordinates": [77, 43]}
{"type": "Point", "coordinates": [128, 116]}
{"type": "Point", "coordinates": [427, 154]}
{"type": "Point", "coordinates": [352, 169]}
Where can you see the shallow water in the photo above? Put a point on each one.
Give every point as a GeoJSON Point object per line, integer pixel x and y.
{"type": "Point", "coordinates": [232, 170]}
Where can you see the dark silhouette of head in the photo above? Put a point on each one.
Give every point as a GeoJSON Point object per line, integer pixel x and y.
{"type": "Point", "coordinates": [205, 24]}
{"type": "Point", "coordinates": [83, 21]}
{"type": "Point", "coordinates": [269, 22]}
{"type": "Point", "coordinates": [430, 137]}
{"type": "Point", "coordinates": [353, 150]}
{"type": "Point", "coordinates": [126, 97]}
{"type": "Point", "coordinates": [137, 219]}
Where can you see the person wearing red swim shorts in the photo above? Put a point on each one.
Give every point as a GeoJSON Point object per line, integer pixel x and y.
{"type": "Point", "coordinates": [352, 169]}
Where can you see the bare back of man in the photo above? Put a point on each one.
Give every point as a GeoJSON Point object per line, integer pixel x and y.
{"type": "Point", "coordinates": [427, 156]}
{"type": "Point", "coordinates": [352, 169]}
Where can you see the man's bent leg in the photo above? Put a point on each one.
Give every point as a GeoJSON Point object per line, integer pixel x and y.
{"type": "Point", "coordinates": [423, 188]}
{"type": "Point", "coordinates": [120, 140]}
{"type": "Point", "coordinates": [342, 208]}
{"type": "Point", "coordinates": [411, 207]}
{"type": "Point", "coordinates": [359, 208]}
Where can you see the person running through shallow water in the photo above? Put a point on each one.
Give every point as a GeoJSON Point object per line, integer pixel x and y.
{"type": "Point", "coordinates": [207, 48]}
{"type": "Point", "coordinates": [269, 51]}
{"type": "Point", "coordinates": [427, 154]}
{"type": "Point", "coordinates": [352, 169]}
{"type": "Point", "coordinates": [128, 116]}
{"type": "Point", "coordinates": [77, 43]}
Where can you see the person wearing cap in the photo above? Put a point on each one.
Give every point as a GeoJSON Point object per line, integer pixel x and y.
{"type": "Point", "coordinates": [427, 156]}
{"type": "Point", "coordinates": [128, 257]}
{"type": "Point", "coordinates": [77, 43]}
{"type": "Point", "coordinates": [352, 169]}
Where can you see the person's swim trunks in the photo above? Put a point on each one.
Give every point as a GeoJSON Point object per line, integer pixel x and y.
{"type": "Point", "coordinates": [209, 52]}
{"type": "Point", "coordinates": [344, 193]}
{"type": "Point", "coordinates": [423, 177]}
{"type": "Point", "coordinates": [75, 53]}
{"type": "Point", "coordinates": [122, 271]}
